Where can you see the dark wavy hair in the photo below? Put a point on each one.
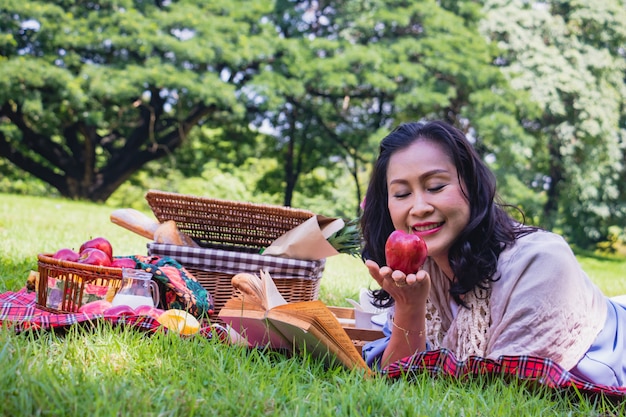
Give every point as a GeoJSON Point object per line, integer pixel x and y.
{"type": "Point", "coordinates": [474, 254]}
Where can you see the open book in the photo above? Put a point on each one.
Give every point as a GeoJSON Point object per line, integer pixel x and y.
{"type": "Point", "coordinates": [264, 319]}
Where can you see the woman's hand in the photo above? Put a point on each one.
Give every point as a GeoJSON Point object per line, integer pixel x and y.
{"type": "Point", "coordinates": [404, 289]}
{"type": "Point", "coordinates": [409, 292]}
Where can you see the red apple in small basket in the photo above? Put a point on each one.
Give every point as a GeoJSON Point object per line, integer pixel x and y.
{"type": "Point", "coordinates": [66, 254]}
{"type": "Point", "coordinates": [95, 307]}
{"type": "Point", "coordinates": [124, 262]}
{"type": "Point", "coordinates": [405, 252]}
{"type": "Point", "coordinates": [93, 256]}
{"type": "Point", "coordinates": [98, 243]}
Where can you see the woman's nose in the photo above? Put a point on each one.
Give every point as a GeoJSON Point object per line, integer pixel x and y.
{"type": "Point", "coordinates": [421, 206]}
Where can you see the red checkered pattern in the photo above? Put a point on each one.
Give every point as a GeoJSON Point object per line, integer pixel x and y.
{"type": "Point", "coordinates": [541, 370]}
{"type": "Point", "coordinates": [19, 310]}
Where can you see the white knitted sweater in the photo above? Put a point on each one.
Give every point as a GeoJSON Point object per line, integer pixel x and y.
{"type": "Point", "coordinates": [543, 305]}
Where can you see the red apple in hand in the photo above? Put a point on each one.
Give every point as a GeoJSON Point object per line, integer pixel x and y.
{"type": "Point", "coordinates": [98, 243]}
{"type": "Point", "coordinates": [66, 254]}
{"type": "Point", "coordinates": [405, 252]}
{"type": "Point", "coordinates": [93, 256]}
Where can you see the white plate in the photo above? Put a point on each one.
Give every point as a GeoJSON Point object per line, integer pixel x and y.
{"type": "Point", "coordinates": [380, 319]}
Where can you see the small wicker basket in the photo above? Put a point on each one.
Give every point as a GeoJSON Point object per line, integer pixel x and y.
{"type": "Point", "coordinates": [64, 286]}
{"type": "Point", "coordinates": [231, 234]}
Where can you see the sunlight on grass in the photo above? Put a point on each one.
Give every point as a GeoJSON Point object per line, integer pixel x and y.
{"type": "Point", "coordinates": [343, 277]}
{"type": "Point", "coordinates": [109, 371]}
{"type": "Point", "coordinates": [609, 273]}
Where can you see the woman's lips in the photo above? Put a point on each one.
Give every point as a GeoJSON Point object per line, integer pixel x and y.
{"type": "Point", "coordinates": [423, 229]}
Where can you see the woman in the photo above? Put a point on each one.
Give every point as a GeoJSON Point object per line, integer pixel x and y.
{"type": "Point", "coordinates": [490, 286]}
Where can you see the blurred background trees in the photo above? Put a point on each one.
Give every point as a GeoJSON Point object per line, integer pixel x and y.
{"type": "Point", "coordinates": [286, 101]}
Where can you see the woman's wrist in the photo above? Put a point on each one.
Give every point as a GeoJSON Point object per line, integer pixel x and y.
{"type": "Point", "coordinates": [409, 331]}
{"type": "Point", "coordinates": [410, 320]}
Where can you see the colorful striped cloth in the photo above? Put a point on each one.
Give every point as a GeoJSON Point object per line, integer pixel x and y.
{"type": "Point", "coordinates": [19, 311]}
{"type": "Point", "coordinates": [541, 370]}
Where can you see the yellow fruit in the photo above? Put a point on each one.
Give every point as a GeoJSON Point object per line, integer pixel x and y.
{"type": "Point", "coordinates": [179, 321]}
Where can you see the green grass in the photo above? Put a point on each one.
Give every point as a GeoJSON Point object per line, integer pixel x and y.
{"type": "Point", "coordinates": [116, 371]}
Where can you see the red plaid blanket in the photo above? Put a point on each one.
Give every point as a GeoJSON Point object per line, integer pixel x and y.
{"type": "Point", "coordinates": [541, 370]}
{"type": "Point", "coordinates": [19, 310]}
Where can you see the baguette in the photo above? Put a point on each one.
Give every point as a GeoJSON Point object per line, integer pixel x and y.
{"type": "Point", "coordinates": [135, 221]}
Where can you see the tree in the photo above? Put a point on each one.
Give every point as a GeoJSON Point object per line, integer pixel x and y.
{"type": "Point", "coordinates": [91, 91]}
{"type": "Point", "coordinates": [569, 56]}
{"type": "Point", "coordinates": [346, 72]}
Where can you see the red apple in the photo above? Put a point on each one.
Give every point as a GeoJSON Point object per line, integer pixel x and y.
{"type": "Point", "coordinates": [123, 263]}
{"type": "Point", "coordinates": [405, 252]}
{"type": "Point", "coordinates": [93, 256]}
{"type": "Point", "coordinates": [146, 310]}
{"type": "Point", "coordinates": [66, 254]}
{"type": "Point", "coordinates": [120, 310]}
{"type": "Point", "coordinates": [95, 307]}
{"type": "Point", "coordinates": [98, 243]}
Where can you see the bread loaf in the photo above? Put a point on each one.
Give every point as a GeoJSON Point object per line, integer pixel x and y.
{"type": "Point", "coordinates": [135, 221]}
{"type": "Point", "coordinates": [249, 285]}
{"type": "Point", "coordinates": [167, 232]}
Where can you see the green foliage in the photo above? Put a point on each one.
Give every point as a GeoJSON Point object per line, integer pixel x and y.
{"type": "Point", "coordinates": [568, 56]}
{"type": "Point", "coordinates": [286, 102]}
{"type": "Point", "coordinates": [97, 92]}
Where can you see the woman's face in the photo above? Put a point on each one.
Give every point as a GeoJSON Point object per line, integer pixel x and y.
{"type": "Point", "coordinates": [425, 196]}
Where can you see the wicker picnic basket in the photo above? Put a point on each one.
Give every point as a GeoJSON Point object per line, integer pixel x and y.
{"type": "Point", "coordinates": [64, 286]}
{"type": "Point", "coordinates": [226, 224]}
{"type": "Point", "coordinates": [231, 235]}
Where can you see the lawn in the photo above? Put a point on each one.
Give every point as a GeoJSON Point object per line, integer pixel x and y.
{"type": "Point", "coordinates": [107, 371]}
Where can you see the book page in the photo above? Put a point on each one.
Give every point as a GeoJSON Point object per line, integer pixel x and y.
{"type": "Point", "coordinates": [312, 342]}
{"type": "Point", "coordinates": [326, 326]}
{"type": "Point", "coordinates": [271, 296]}
{"type": "Point", "coordinates": [250, 321]}
{"type": "Point", "coordinates": [308, 326]}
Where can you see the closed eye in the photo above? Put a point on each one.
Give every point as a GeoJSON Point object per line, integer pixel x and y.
{"type": "Point", "coordinates": [436, 188]}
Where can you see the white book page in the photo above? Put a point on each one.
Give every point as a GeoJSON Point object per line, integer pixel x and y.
{"type": "Point", "coordinates": [273, 297]}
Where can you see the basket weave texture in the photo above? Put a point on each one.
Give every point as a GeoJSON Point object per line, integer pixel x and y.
{"type": "Point", "coordinates": [63, 286]}
{"type": "Point", "coordinates": [231, 235]}
{"type": "Point", "coordinates": [225, 224]}
{"type": "Point", "coordinates": [296, 279]}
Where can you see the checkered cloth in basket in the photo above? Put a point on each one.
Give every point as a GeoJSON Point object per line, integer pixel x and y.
{"type": "Point", "coordinates": [296, 279]}
{"type": "Point", "coordinates": [234, 262]}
